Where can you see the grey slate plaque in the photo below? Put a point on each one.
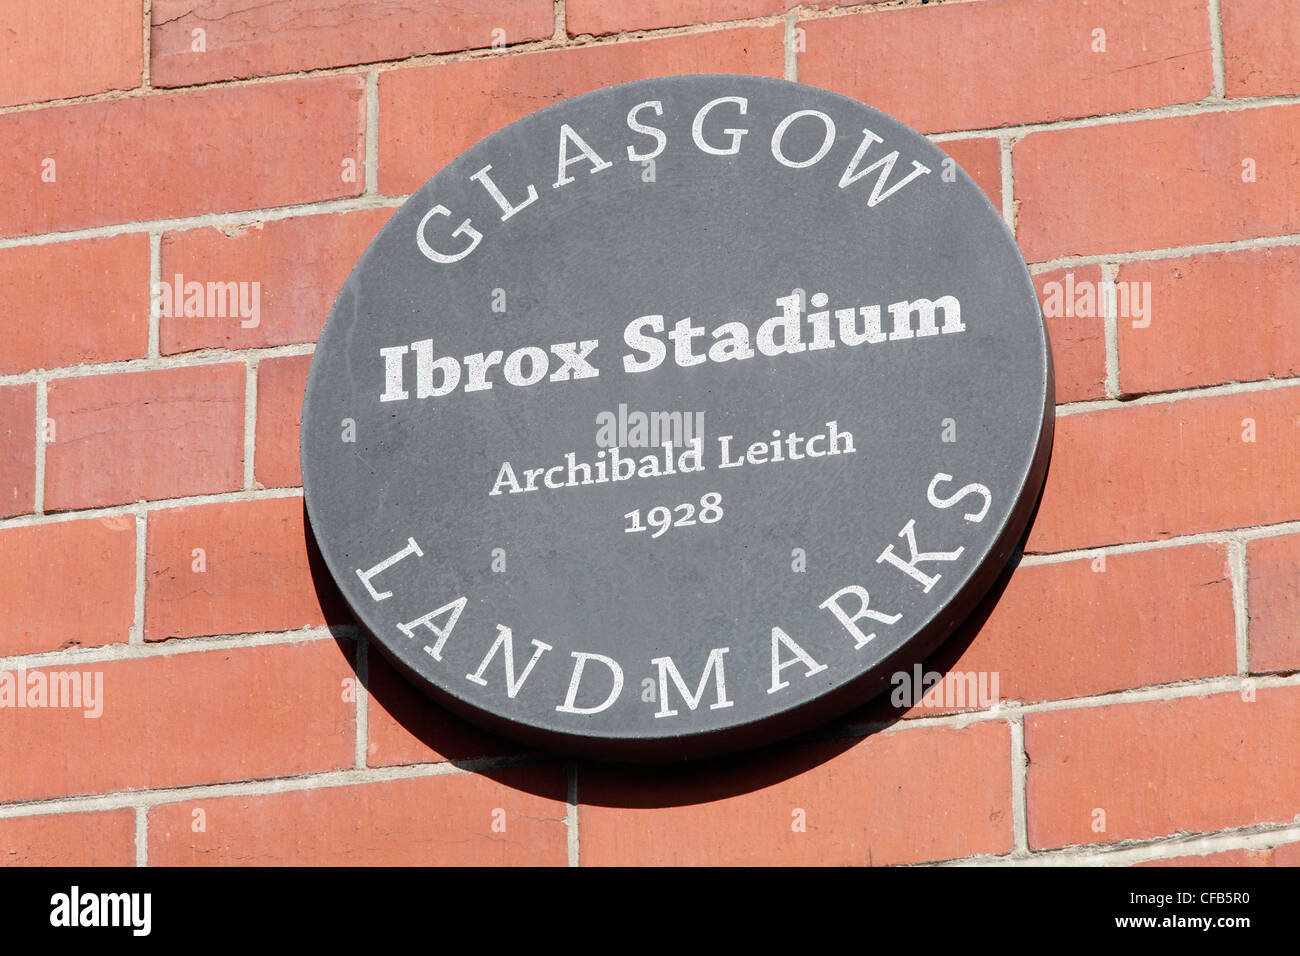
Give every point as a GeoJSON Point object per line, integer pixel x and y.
{"type": "Point", "coordinates": [675, 417]}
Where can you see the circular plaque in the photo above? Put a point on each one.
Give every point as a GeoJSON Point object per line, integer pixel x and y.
{"type": "Point", "coordinates": [676, 417]}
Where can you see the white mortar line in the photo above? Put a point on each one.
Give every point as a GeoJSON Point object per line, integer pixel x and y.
{"type": "Point", "coordinates": [1224, 536]}
{"type": "Point", "coordinates": [1261, 836]}
{"type": "Point", "coordinates": [1240, 607]}
{"type": "Point", "coordinates": [42, 413]}
{"type": "Point", "coordinates": [112, 653]}
{"type": "Point", "coordinates": [1178, 690]}
{"type": "Point", "coordinates": [233, 219]}
{"type": "Point", "coordinates": [210, 356]}
{"type": "Point", "coordinates": [136, 635]}
{"type": "Point", "coordinates": [362, 703]}
{"type": "Point", "coordinates": [1019, 784]}
{"type": "Point", "coordinates": [1110, 323]}
{"type": "Point", "coordinates": [1170, 252]}
{"type": "Point", "coordinates": [1005, 144]}
{"type": "Point", "coordinates": [372, 134]}
{"type": "Point", "coordinates": [789, 44]}
{"type": "Point", "coordinates": [113, 511]}
{"type": "Point", "coordinates": [141, 836]}
{"type": "Point", "coordinates": [1161, 398]}
{"type": "Point", "coordinates": [250, 419]}
{"type": "Point", "coordinates": [1197, 108]}
{"type": "Point", "coordinates": [560, 34]}
{"type": "Point", "coordinates": [146, 53]}
{"type": "Point", "coordinates": [1216, 50]}
{"type": "Point", "coordinates": [132, 799]}
{"type": "Point", "coordinates": [155, 278]}
{"type": "Point", "coordinates": [571, 815]}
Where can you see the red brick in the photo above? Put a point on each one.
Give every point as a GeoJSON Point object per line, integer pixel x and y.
{"type": "Point", "coordinates": [1273, 600]}
{"type": "Point", "coordinates": [1153, 617]}
{"type": "Point", "coordinates": [430, 115]}
{"type": "Point", "coordinates": [1222, 858]}
{"type": "Point", "coordinates": [1004, 62]}
{"type": "Point", "coordinates": [444, 820]}
{"type": "Point", "coordinates": [406, 727]}
{"type": "Point", "coordinates": [982, 160]}
{"type": "Point", "coordinates": [615, 16]}
{"type": "Point", "coordinates": [243, 39]}
{"type": "Point", "coordinates": [69, 839]}
{"type": "Point", "coordinates": [17, 449]}
{"type": "Point", "coordinates": [281, 383]}
{"type": "Point", "coordinates": [1215, 318]}
{"type": "Point", "coordinates": [67, 584]}
{"type": "Point", "coordinates": [1170, 468]}
{"type": "Point", "coordinates": [299, 264]}
{"type": "Point", "coordinates": [1078, 340]}
{"type": "Point", "coordinates": [182, 154]}
{"type": "Point", "coordinates": [145, 435]}
{"type": "Point", "coordinates": [82, 47]}
{"type": "Point", "coordinates": [929, 793]}
{"type": "Point", "coordinates": [1197, 765]}
{"type": "Point", "coordinates": [1157, 183]}
{"type": "Point", "coordinates": [258, 575]}
{"type": "Point", "coordinates": [1287, 855]}
{"type": "Point", "coordinates": [1260, 40]}
{"type": "Point", "coordinates": [69, 303]}
{"type": "Point", "coordinates": [187, 719]}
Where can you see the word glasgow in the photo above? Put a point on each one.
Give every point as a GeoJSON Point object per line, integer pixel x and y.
{"type": "Point", "coordinates": [574, 150]}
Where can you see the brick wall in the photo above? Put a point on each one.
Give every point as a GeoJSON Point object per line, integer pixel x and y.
{"type": "Point", "coordinates": [151, 521]}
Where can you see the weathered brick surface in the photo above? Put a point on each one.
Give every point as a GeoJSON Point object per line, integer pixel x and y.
{"type": "Point", "coordinates": [231, 569]}
{"type": "Point", "coordinates": [1196, 764]}
{"type": "Point", "coordinates": [144, 435]}
{"type": "Point", "coordinates": [182, 154]}
{"type": "Point", "coordinates": [1077, 628]}
{"type": "Point", "coordinates": [1158, 183]}
{"type": "Point", "coordinates": [1260, 39]}
{"type": "Point", "coordinates": [923, 794]}
{"type": "Point", "coordinates": [73, 303]}
{"type": "Point", "coordinates": [1225, 317]}
{"type": "Point", "coordinates": [1157, 52]}
{"type": "Point", "coordinates": [67, 584]}
{"type": "Point", "coordinates": [507, 817]}
{"type": "Point", "coordinates": [1171, 468]}
{"type": "Point", "coordinates": [17, 449]}
{"type": "Point", "coordinates": [248, 39]}
{"type": "Point", "coordinates": [281, 383]}
{"type": "Point", "coordinates": [242, 714]}
{"type": "Point", "coordinates": [95, 46]}
{"type": "Point", "coordinates": [290, 269]}
{"type": "Point", "coordinates": [615, 16]}
{"type": "Point", "coordinates": [1076, 329]}
{"type": "Point", "coordinates": [1273, 597]}
{"type": "Point", "coordinates": [69, 839]}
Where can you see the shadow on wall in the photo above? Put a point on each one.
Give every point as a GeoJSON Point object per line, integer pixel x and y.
{"type": "Point", "coordinates": [443, 736]}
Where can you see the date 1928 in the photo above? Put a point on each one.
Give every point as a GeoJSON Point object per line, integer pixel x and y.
{"type": "Point", "coordinates": [661, 517]}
